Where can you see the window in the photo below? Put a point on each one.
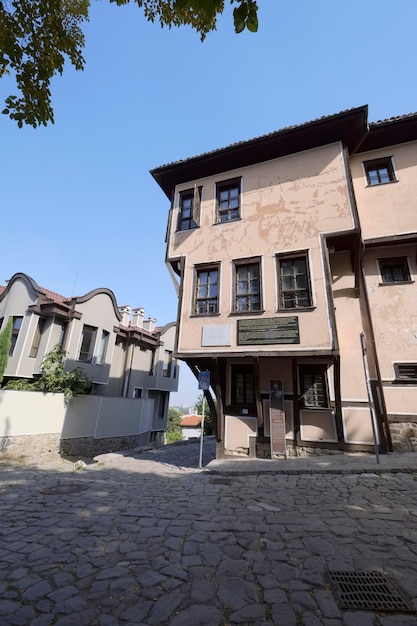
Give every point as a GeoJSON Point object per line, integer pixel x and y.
{"type": "Point", "coordinates": [17, 324]}
{"type": "Point", "coordinates": [189, 216]}
{"type": "Point", "coordinates": [243, 386]}
{"type": "Point", "coordinates": [206, 299]}
{"type": "Point", "coordinates": [102, 348]}
{"type": "Point", "coordinates": [88, 339]}
{"type": "Point", "coordinates": [247, 287]}
{"type": "Point", "coordinates": [293, 282]}
{"type": "Point", "coordinates": [162, 404]}
{"type": "Point", "coordinates": [152, 363]}
{"type": "Point", "coordinates": [62, 335]}
{"type": "Point", "coordinates": [228, 201]}
{"type": "Point", "coordinates": [137, 392]}
{"type": "Point", "coordinates": [313, 386]}
{"type": "Point", "coordinates": [166, 372]}
{"type": "Point", "coordinates": [406, 372]}
{"type": "Point", "coordinates": [37, 338]}
{"type": "Point", "coordinates": [379, 171]}
{"type": "Point", "coordinates": [394, 270]}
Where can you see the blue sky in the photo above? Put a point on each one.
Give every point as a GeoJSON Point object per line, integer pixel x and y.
{"type": "Point", "coordinates": [79, 207]}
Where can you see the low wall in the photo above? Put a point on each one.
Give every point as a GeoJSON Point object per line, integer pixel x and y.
{"type": "Point", "coordinates": [86, 426]}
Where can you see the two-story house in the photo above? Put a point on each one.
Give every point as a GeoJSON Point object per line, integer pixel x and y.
{"type": "Point", "coordinates": [274, 245]}
{"type": "Point", "coordinates": [123, 353]}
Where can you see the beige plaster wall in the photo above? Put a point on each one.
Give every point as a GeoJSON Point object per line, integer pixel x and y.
{"type": "Point", "coordinates": [392, 207]}
{"type": "Point", "coordinates": [394, 310]}
{"type": "Point", "coordinates": [286, 204]}
{"type": "Point", "coordinates": [349, 327]}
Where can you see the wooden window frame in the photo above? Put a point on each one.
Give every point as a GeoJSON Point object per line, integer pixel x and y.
{"type": "Point", "coordinates": [211, 306]}
{"type": "Point", "coordinates": [395, 262]}
{"type": "Point", "coordinates": [401, 375]}
{"type": "Point", "coordinates": [295, 292]}
{"type": "Point", "coordinates": [374, 171]}
{"type": "Point", "coordinates": [243, 370]}
{"type": "Point", "coordinates": [187, 222]}
{"type": "Point", "coordinates": [240, 297]}
{"type": "Point", "coordinates": [227, 213]}
{"type": "Point", "coordinates": [314, 370]}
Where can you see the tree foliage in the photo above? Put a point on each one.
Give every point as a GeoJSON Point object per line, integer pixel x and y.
{"type": "Point", "coordinates": [174, 432]}
{"type": "Point", "coordinates": [54, 379]}
{"type": "Point", "coordinates": [5, 343]}
{"type": "Point", "coordinates": [208, 421]}
{"type": "Point", "coordinates": [37, 36]}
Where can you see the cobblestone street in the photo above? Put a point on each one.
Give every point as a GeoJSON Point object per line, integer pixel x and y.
{"type": "Point", "coordinates": [147, 538]}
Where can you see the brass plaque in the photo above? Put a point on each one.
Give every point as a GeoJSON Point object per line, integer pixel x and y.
{"type": "Point", "coordinates": [268, 330]}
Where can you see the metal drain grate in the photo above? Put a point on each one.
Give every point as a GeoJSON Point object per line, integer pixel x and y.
{"type": "Point", "coordinates": [64, 488]}
{"type": "Point", "coordinates": [368, 591]}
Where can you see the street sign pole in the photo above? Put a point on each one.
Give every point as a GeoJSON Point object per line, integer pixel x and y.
{"type": "Point", "coordinates": [203, 385]}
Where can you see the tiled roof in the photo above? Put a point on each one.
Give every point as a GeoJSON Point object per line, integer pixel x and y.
{"type": "Point", "coordinates": [260, 137]}
{"type": "Point", "coordinates": [54, 297]}
{"type": "Point", "coordinates": [191, 420]}
{"type": "Point", "coordinates": [2, 289]}
{"type": "Point", "coordinates": [397, 118]}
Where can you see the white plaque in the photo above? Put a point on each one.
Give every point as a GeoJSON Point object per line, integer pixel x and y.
{"type": "Point", "coordinates": [217, 335]}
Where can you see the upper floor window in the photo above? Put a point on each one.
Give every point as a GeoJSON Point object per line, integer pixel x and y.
{"type": "Point", "coordinates": [17, 324]}
{"type": "Point", "coordinates": [166, 372]}
{"type": "Point", "coordinates": [394, 270]}
{"type": "Point", "coordinates": [189, 216]}
{"type": "Point", "coordinates": [88, 339]}
{"type": "Point", "coordinates": [406, 372]}
{"type": "Point", "coordinates": [313, 386]}
{"type": "Point", "coordinates": [137, 392]}
{"type": "Point", "coordinates": [206, 294]}
{"type": "Point", "coordinates": [247, 286]}
{"type": "Point", "coordinates": [37, 338]}
{"type": "Point", "coordinates": [293, 282]}
{"type": "Point", "coordinates": [379, 171]}
{"type": "Point", "coordinates": [228, 200]}
{"type": "Point", "coordinates": [102, 348]}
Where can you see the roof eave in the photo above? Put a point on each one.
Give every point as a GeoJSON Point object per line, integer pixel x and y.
{"type": "Point", "coordinates": [349, 127]}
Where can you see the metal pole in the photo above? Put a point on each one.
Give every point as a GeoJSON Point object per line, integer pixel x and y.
{"type": "Point", "coordinates": [374, 431]}
{"type": "Point", "coordinates": [202, 434]}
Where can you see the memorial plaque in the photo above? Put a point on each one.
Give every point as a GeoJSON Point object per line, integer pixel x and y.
{"type": "Point", "coordinates": [271, 330]}
{"type": "Point", "coordinates": [220, 335]}
{"type": "Point", "coordinates": [277, 418]}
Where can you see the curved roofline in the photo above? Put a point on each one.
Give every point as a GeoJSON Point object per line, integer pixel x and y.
{"type": "Point", "coordinates": [164, 329]}
{"type": "Point", "coordinates": [26, 278]}
{"type": "Point", "coordinates": [96, 292]}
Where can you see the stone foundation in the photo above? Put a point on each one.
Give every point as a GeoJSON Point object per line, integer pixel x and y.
{"type": "Point", "coordinates": [30, 445]}
{"type": "Point", "coordinates": [82, 447]}
{"type": "Point", "coordinates": [404, 436]}
{"type": "Point", "coordinates": [88, 447]}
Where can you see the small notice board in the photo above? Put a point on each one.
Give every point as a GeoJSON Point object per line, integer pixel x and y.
{"type": "Point", "coordinates": [277, 418]}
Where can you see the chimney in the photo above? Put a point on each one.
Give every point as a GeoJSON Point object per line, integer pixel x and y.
{"type": "Point", "coordinates": [149, 324]}
{"type": "Point", "coordinates": [137, 317]}
{"type": "Point", "coordinates": [125, 312]}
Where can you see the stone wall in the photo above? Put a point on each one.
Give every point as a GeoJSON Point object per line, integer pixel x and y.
{"type": "Point", "coordinates": [30, 445]}
{"type": "Point", "coordinates": [404, 436]}
{"type": "Point", "coordinates": [36, 446]}
{"type": "Point", "coordinates": [89, 447]}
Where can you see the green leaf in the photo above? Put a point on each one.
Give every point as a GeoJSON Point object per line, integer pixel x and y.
{"type": "Point", "coordinates": [252, 22]}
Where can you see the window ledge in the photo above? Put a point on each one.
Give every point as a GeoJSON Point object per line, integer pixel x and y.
{"type": "Point", "coordinates": [246, 313]}
{"type": "Point", "coordinates": [306, 308]}
{"type": "Point", "coordinates": [238, 219]}
{"type": "Point", "coordinates": [389, 182]}
{"type": "Point", "coordinates": [398, 282]}
{"type": "Point", "coordinates": [197, 315]}
{"type": "Point", "coordinates": [404, 381]}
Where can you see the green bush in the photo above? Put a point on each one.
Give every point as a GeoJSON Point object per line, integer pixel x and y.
{"type": "Point", "coordinates": [54, 379]}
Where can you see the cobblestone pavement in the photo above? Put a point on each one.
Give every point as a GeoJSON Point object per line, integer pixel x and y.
{"type": "Point", "coordinates": [146, 538]}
